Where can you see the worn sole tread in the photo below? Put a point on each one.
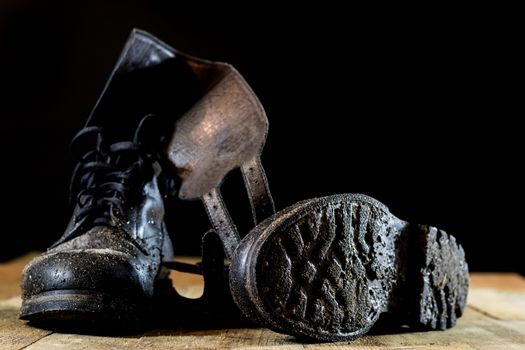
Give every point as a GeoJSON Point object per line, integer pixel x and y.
{"type": "Point", "coordinates": [327, 268]}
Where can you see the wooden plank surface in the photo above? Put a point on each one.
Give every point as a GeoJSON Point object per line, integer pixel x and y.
{"type": "Point", "coordinates": [494, 319]}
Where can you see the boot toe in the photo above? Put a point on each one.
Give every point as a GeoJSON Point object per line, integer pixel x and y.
{"type": "Point", "coordinates": [78, 284]}
{"type": "Point", "coordinates": [92, 269]}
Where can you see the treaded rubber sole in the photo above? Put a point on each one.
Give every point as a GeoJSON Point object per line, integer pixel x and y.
{"type": "Point", "coordinates": [81, 306]}
{"type": "Point", "coordinates": [327, 268]}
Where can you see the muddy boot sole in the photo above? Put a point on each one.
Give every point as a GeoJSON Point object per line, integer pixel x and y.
{"type": "Point", "coordinates": [327, 268]}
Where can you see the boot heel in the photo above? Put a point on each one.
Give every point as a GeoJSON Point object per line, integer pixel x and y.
{"type": "Point", "coordinates": [440, 282]}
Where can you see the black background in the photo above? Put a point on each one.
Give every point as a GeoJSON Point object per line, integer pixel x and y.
{"type": "Point", "coordinates": [415, 105]}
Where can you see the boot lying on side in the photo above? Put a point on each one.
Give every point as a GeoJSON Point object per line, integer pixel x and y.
{"type": "Point", "coordinates": [325, 268]}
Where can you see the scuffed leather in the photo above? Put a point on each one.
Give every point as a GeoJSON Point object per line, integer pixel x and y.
{"type": "Point", "coordinates": [105, 258]}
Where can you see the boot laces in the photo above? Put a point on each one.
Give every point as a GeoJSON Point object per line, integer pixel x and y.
{"type": "Point", "coordinates": [109, 177]}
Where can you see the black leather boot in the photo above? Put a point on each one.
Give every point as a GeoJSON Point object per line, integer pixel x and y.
{"type": "Point", "coordinates": [108, 262]}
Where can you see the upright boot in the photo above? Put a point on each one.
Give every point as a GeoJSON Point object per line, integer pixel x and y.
{"type": "Point", "coordinates": [108, 262]}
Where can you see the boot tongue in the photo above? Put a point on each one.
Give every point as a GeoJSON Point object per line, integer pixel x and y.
{"type": "Point", "coordinates": [167, 89]}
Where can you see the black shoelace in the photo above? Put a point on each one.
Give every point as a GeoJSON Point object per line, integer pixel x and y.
{"type": "Point", "coordinates": [109, 177]}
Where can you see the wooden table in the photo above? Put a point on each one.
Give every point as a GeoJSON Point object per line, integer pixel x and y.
{"type": "Point", "coordinates": [494, 319]}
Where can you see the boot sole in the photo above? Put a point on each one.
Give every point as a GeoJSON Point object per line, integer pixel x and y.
{"type": "Point", "coordinates": [81, 306]}
{"type": "Point", "coordinates": [327, 268]}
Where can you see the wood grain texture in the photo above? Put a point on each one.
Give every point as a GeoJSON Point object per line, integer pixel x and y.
{"type": "Point", "coordinates": [500, 281]}
{"type": "Point", "coordinates": [14, 333]}
{"type": "Point", "coordinates": [10, 275]}
{"type": "Point", "coordinates": [494, 319]}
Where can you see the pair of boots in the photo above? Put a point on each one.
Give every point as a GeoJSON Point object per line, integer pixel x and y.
{"type": "Point", "coordinates": [169, 124]}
